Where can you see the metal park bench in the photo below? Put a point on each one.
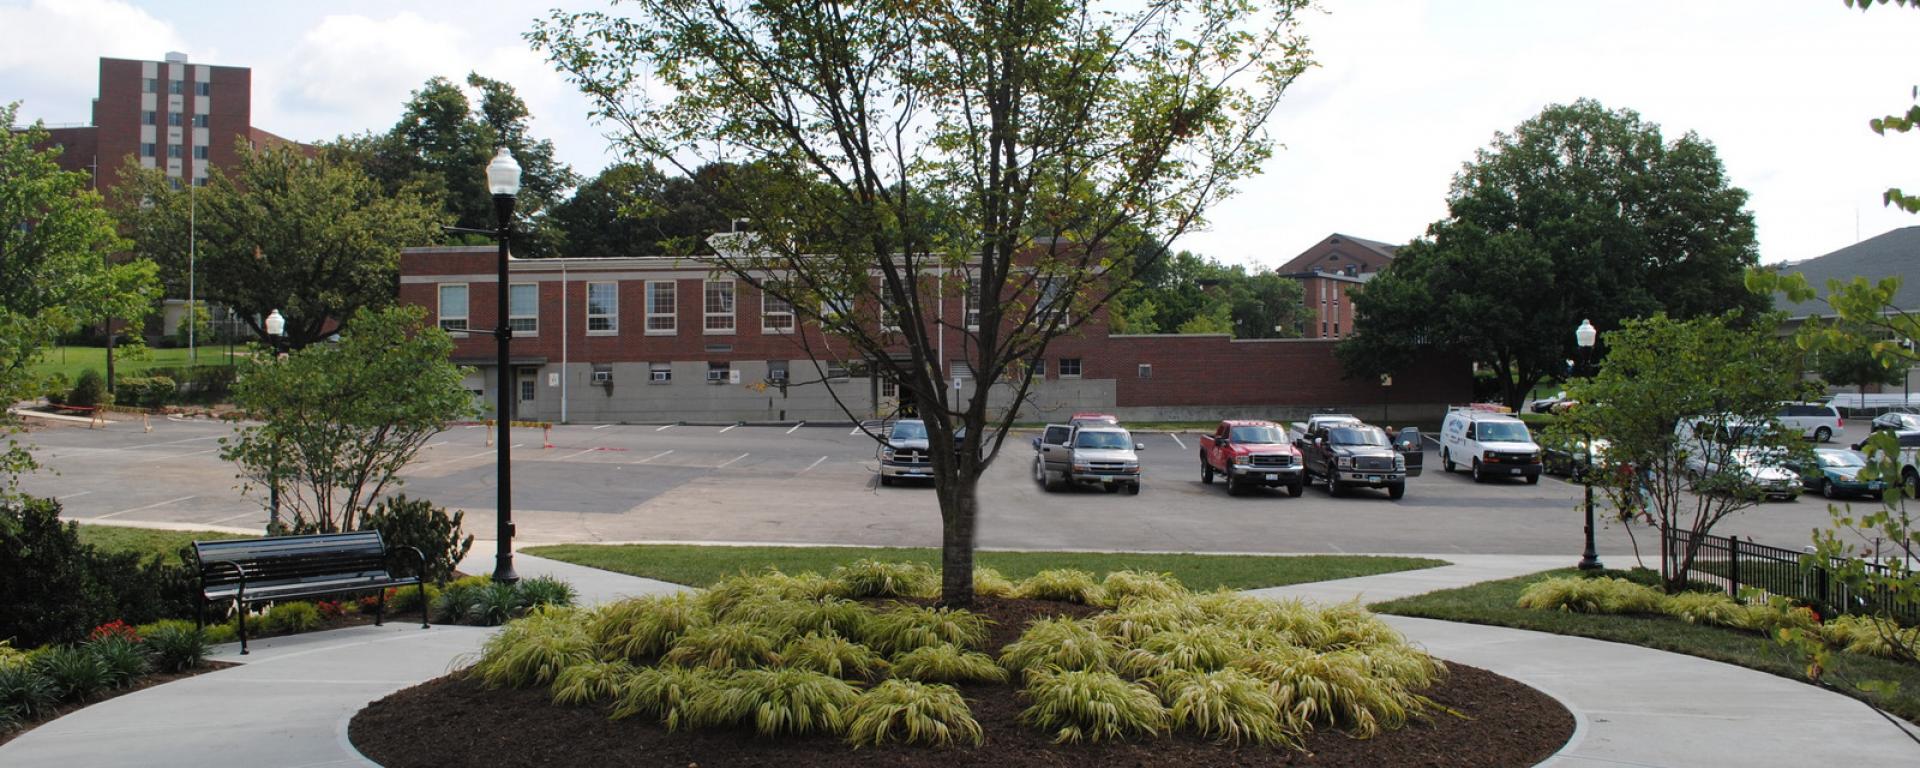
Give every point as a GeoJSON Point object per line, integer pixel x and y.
{"type": "Point", "coordinates": [263, 570]}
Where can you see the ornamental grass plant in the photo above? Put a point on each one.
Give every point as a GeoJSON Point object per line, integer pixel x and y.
{"type": "Point", "coordinates": [1600, 595]}
{"type": "Point", "coordinates": [872, 578]}
{"type": "Point", "coordinates": [947, 663]}
{"type": "Point", "coordinates": [1058, 643]}
{"type": "Point", "coordinates": [1091, 706]}
{"type": "Point", "coordinates": [730, 645]}
{"type": "Point", "coordinates": [1067, 585]}
{"type": "Point", "coordinates": [834, 655]}
{"type": "Point", "coordinates": [906, 627]}
{"type": "Point", "coordinates": [535, 649]}
{"type": "Point", "coordinates": [908, 712]}
{"type": "Point", "coordinates": [642, 628]}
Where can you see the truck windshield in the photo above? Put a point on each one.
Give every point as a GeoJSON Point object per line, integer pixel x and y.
{"type": "Point", "coordinates": [1356, 436]}
{"type": "Point", "coordinates": [1257, 435]}
{"type": "Point", "coordinates": [1103, 440]}
{"type": "Point", "coordinates": [908, 430]}
{"type": "Point", "coordinates": [1503, 432]}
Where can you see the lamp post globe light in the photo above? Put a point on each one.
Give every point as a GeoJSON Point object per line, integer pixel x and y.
{"type": "Point", "coordinates": [1585, 336]}
{"type": "Point", "coordinates": [503, 180]}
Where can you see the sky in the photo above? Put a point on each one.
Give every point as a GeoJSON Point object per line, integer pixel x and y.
{"type": "Point", "coordinates": [1404, 92]}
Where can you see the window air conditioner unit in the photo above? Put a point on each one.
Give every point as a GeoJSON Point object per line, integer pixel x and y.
{"type": "Point", "coordinates": [663, 376]}
{"type": "Point", "coordinates": [603, 377]}
{"type": "Point", "coordinates": [717, 377]}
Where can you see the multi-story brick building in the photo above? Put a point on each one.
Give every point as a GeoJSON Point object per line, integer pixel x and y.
{"type": "Point", "coordinates": [1328, 271]}
{"type": "Point", "coordinates": [669, 339]}
{"type": "Point", "coordinates": [185, 118]}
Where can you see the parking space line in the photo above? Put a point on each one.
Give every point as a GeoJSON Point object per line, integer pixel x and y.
{"type": "Point", "coordinates": [170, 442]}
{"type": "Point", "coordinates": [65, 496]}
{"type": "Point", "coordinates": [816, 462]}
{"type": "Point", "coordinates": [723, 465]}
{"type": "Point", "coordinates": [582, 453]}
{"type": "Point", "coordinates": [138, 509]}
{"type": "Point", "coordinates": [474, 456]}
{"type": "Point", "coordinates": [664, 427]}
{"type": "Point", "coordinates": [174, 456]}
{"type": "Point", "coordinates": [516, 445]}
{"type": "Point", "coordinates": [796, 426]}
{"type": "Point", "coordinates": [433, 445]}
{"type": "Point", "coordinates": [655, 456]}
{"type": "Point", "coordinates": [601, 427]}
{"type": "Point", "coordinates": [728, 429]}
{"type": "Point", "coordinates": [1176, 440]}
{"type": "Point", "coordinates": [856, 430]}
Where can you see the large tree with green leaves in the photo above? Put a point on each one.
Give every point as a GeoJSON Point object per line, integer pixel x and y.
{"type": "Point", "coordinates": [894, 154]}
{"type": "Point", "coordinates": [633, 209]}
{"type": "Point", "coordinates": [1583, 212]}
{"type": "Point", "coordinates": [313, 237]}
{"type": "Point", "coordinates": [57, 270]}
{"type": "Point", "coordinates": [1191, 294]}
{"type": "Point", "coordinates": [337, 423]}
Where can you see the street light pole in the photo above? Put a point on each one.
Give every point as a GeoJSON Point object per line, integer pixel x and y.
{"type": "Point", "coordinates": [1585, 336]}
{"type": "Point", "coordinates": [277, 336]}
{"type": "Point", "coordinates": [503, 179]}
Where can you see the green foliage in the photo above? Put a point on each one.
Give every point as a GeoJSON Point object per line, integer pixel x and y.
{"type": "Point", "coordinates": [872, 578]}
{"type": "Point", "coordinates": [1057, 643]}
{"type": "Point", "coordinates": [534, 649]}
{"type": "Point", "coordinates": [417, 523]}
{"type": "Point", "coordinates": [1768, 615]}
{"type": "Point", "coordinates": [408, 599]}
{"type": "Point", "coordinates": [778, 702]}
{"type": "Point", "coordinates": [177, 644]}
{"type": "Point", "coordinates": [907, 627]}
{"type": "Point", "coordinates": [54, 587]}
{"type": "Point", "coordinates": [145, 391]}
{"type": "Point", "coordinates": [89, 391]}
{"type": "Point", "coordinates": [947, 663]}
{"type": "Point", "coordinates": [833, 655]}
{"type": "Point", "coordinates": [1201, 648]}
{"type": "Point", "coordinates": [1226, 706]}
{"type": "Point", "coordinates": [663, 692]}
{"type": "Point", "coordinates": [1575, 192]}
{"type": "Point", "coordinates": [1872, 636]}
{"type": "Point", "coordinates": [833, 615]}
{"type": "Point", "coordinates": [25, 692]}
{"type": "Point", "coordinates": [454, 602]}
{"type": "Point", "coordinates": [988, 582]}
{"type": "Point", "coordinates": [726, 646]}
{"type": "Point", "coordinates": [1136, 620]}
{"type": "Point", "coordinates": [1710, 608]}
{"type": "Point", "coordinates": [644, 627]}
{"type": "Point", "coordinates": [544, 590]}
{"type": "Point", "coordinates": [1596, 595]}
{"type": "Point", "coordinates": [908, 712]}
{"type": "Point", "coordinates": [75, 672]}
{"type": "Point", "coordinates": [1340, 689]}
{"type": "Point", "coordinates": [592, 682]}
{"type": "Point", "coordinates": [1121, 586]}
{"type": "Point", "coordinates": [1063, 584]}
{"type": "Point", "coordinates": [1091, 706]}
{"type": "Point", "coordinates": [298, 616]}
{"type": "Point", "coordinates": [124, 659]}
{"type": "Point", "coordinates": [339, 422]}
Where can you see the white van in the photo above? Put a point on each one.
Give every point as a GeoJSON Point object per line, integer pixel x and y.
{"type": "Point", "coordinates": [1819, 421]}
{"type": "Point", "coordinates": [1489, 443]}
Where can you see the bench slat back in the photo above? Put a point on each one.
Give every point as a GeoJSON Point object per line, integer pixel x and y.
{"type": "Point", "coordinates": [281, 560]}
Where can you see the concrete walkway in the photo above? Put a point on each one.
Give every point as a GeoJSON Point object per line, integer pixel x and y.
{"type": "Point", "coordinates": [290, 701]}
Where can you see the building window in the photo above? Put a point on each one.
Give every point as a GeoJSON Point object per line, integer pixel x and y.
{"type": "Point", "coordinates": [889, 313]}
{"type": "Point", "coordinates": [173, 151]}
{"type": "Point", "coordinates": [149, 117]}
{"type": "Point", "coordinates": [203, 89]}
{"type": "Point", "coordinates": [973, 304]}
{"type": "Point", "coordinates": [146, 149]}
{"type": "Point", "coordinates": [889, 387]}
{"type": "Point", "coordinates": [1052, 299]}
{"type": "Point", "coordinates": [173, 119]}
{"type": "Point", "coordinates": [199, 153]}
{"type": "Point", "coordinates": [526, 387]}
{"type": "Point", "coordinates": [719, 373]}
{"type": "Point", "coordinates": [523, 308]}
{"type": "Point", "coordinates": [200, 181]}
{"type": "Point", "coordinates": [777, 371]}
{"type": "Point", "coordinates": [603, 307]}
{"type": "Point", "coordinates": [834, 305]}
{"type": "Point", "coordinates": [1069, 367]}
{"type": "Point", "coordinates": [148, 88]}
{"type": "Point", "coordinates": [1323, 329]}
{"type": "Point", "coordinates": [176, 87]}
{"type": "Point", "coordinates": [199, 121]}
{"type": "Point", "coordinates": [660, 306]}
{"type": "Point", "coordinates": [719, 306]}
{"type": "Point", "coordinates": [1336, 328]}
{"type": "Point", "coordinates": [453, 307]}
{"type": "Point", "coordinates": [1146, 370]}
{"type": "Point", "coordinates": [837, 371]}
{"type": "Point", "coordinates": [660, 373]}
{"type": "Point", "coordinates": [776, 314]}
{"type": "Point", "coordinates": [1040, 368]}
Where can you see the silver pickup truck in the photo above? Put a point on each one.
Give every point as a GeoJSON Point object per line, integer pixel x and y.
{"type": "Point", "coordinates": [1100, 455]}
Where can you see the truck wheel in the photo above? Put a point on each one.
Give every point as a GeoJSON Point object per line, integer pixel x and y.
{"type": "Point", "coordinates": [1533, 479]}
{"type": "Point", "coordinates": [1446, 461]}
{"type": "Point", "coordinates": [1047, 481]}
{"type": "Point", "coordinates": [1039, 474]}
{"type": "Point", "coordinates": [1296, 488]}
{"type": "Point", "coordinates": [1133, 489]}
{"type": "Point", "coordinates": [1336, 487]}
{"type": "Point", "coordinates": [1396, 491]}
{"type": "Point", "coordinates": [1477, 477]}
{"type": "Point", "coordinates": [1206, 472]}
{"type": "Point", "coordinates": [1233, 487]}
{"type": "Point", "coordinates": [884, 480]}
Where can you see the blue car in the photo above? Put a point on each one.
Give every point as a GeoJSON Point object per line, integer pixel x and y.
{"type": "Point", "coordinates": [1834, 474]}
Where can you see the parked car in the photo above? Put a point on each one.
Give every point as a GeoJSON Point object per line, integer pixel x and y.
{"type": "Point", "coordinates": [1731, 454]}
{"type": "Point", "coordinates": [1819, 421]}
{"type": "Point", "coordinates": [1568, 456]}
{"type": "Point", "coordinates": [1909, 460]}
{"type": "Point", "coordinates": [1546, 404]}
{"type": "Point", "coordinates": [1347, 456]}
{"type": "Point", "coordinates": [1834, 473]}
{"type": "Point", "coordinates": [1492, 444]}
{"type": "Point", "coordinates": [1096, 454]}
{"type": "Point", "coordinates": [904, 454]}
{"type": "Point", "coordinates": [1896, 421]}
{"type": "Point", "coordinates": [1251, 453]}
{"type": "Point", "coordinates": [1080, 419]}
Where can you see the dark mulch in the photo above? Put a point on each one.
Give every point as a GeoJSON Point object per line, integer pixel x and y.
{"type": "Point", "coordinates": [145, 682]}
{"type": "Point", "coordinates": [456, 721]}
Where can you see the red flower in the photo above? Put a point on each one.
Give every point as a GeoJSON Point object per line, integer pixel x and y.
{"type": "Point", "coordinates": [115, 628]}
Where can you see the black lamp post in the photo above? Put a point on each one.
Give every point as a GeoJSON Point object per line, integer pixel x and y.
{"type": "Point", "coordinates": [1585, 336]}
{"type": "Point", "coordinates": [503, 179]}
{"type": "Point", "coordinates": [277, 337]}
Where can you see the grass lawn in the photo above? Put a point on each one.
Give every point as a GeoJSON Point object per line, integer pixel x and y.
{"type": "Point", "coordinates": [70, 361]}
{"type": "Point", "coordinates": [1494, 602]}
{"type": "Point", "coordinates": [700, 566]}
{"type": "Point", "coordinates": [146, 541]}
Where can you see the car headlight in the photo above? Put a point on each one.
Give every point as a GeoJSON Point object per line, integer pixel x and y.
{"type": "Point", "coordinates": [1399, 462]}
{"type": "Point", "coordinates": [1242, 459]}
{"type": "Point", "coordinates": [886, 454]}
{"type": "Point", "coordinates": [1080, 467]}
{"type": "Point", "coordinates": [1488, 455]}
{"type": "Point", "coordinates": [1344, 461]}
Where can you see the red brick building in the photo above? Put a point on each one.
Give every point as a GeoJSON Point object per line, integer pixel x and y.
{"type": "Point", "coordinates": [666, 339]}
{"type": "Point", "coordinates": [1328, 271]}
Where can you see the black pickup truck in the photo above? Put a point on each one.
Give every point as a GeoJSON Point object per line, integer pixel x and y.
{"type": "Point", "coordinates": [1347, 455]}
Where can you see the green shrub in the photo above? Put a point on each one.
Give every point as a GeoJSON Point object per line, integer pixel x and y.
{"type": "Point", "coordinates": [544, 590]}
{"type": "Point", "coordinates": [1603, 594]}
{"type": "Point", "coordinates": [298, 616]}
{"type": "Point", "coordinates": [1201, 648]}
{"type": "Point", "coordinates": [75, 672]}
{"type": "Point", "coordinates": [1121, 586]}
{"type": "Point", "coordinates": [407, 599]}
{"type": "Point", "coordinates": [988, 582]}
{"type": "Point", "coordinates": [456, 601]}
{"type": "Point", "coordinates": [907, 627]}
{"type": "Point", "coordinates": [644, 627]}
{"type": "Point", "coordinates": [177, 645]}
{"type": "Point", "coordinates": [534, 649]}
{"type": "Point", "coordinates": [145, 391]}
{"type": "Point", "coordinates": [832, 655]}
{"type": "Point", "coordinates": [1063, 584]}
{"type": "Point", "coordinates": [1060, 643]}
{"type": "Point", "coordinates": [911, 713]}
{"type": "Point", "coordinates": [872, 578]}
{"type": "Point", "coordinates": [124, 659]}
{"type": "Point", "coordinates": [591, 682]}
{"type": "Point", "coordinates": [778, 702]}
{"type": "Point", "coordinates": [48, 590]}
{"type": "Point", "coordinates": [827, 615]}
{"type": "Point", "coordinates": [1344, 689]}
{"type": "Point", "coordinates": [1768, 614]}
{"type": "Point", "coordinates": [1226, 706]}
{"type": "Point", "coordinates": [1709, 608]}
{"type": "Point", "coordinates": [26, 692]}
{"type": "Point", "coordinates": [1872, 636]}
{"type": "Point", "coordinates": [1090, 706]}
{"type": "Point", "coordinates": [726, 646]}
{"type": "Point", "coordinates": [663, 692]}
{"type": "Point", "coordinates": [493, 605]}
{"type": "Point", "coordinates": [218, 633]}
{"type": "Point", "coordinates": [89, 391]}
{"type": "Point", "coordinates": [11, 656]}
{"type": "Point", "coordinates": [1136, 620]}
{"type": "Point", "coordinates": [404, 522]}
{"type": "Point", "coordinates": [947, 663]}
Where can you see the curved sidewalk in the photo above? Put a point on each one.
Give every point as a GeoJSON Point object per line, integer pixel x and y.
{"type": "Point", "coordinates": [289, 704]}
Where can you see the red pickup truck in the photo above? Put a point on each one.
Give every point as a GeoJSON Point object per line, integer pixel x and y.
{"type": "Point", "coordinates": [1250, 454]}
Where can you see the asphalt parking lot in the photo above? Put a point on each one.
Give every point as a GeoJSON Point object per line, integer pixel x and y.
{"type": "Point", "coordinates": [815, 485]}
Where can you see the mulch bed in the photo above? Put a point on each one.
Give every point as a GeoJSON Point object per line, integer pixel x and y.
{"type": "Point", "coordinates": [145, 682]}
{"type": "Point", "coordinates": [456, 721]}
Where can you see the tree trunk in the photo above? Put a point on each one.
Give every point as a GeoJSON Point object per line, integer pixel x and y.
{"type": "Point", "coordinates": [959, 506]}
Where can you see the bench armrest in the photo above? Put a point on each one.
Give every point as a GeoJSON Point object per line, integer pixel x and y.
{"type": "Point", "coordinates": [418, 557]}
{"type": "Point", "coordinates": [211, 565]}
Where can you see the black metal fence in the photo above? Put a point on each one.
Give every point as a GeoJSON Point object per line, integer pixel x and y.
{"type": "Point", "coordinates": [1733, 564]}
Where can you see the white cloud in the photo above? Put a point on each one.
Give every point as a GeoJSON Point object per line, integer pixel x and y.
{"type": "Point", "coordinates": [51, 60]}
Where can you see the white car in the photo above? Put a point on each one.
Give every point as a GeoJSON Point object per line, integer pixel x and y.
{"type": "Point", "coordinates": [1729, 452]}
{"type": "Point", "coordinates": [1896, 421]}
{"type": "Point", "coordinates": [1490, 444]}
{"type": "Point", "coordinates": [1819, 421]}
